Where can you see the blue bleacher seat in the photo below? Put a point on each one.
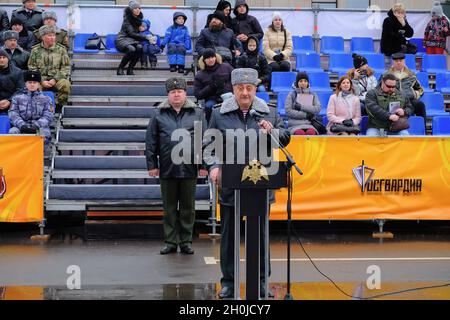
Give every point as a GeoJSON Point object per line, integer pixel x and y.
{"type": "Point", "coordinates": [434, 104]}
{"type": "Point", "coordinates": [443, 82]}
{"type": "Point", "coordinates": [264, 96]}
{"type": "Point", "coordinates": [376, 62]}
{"type": "Point", "coordinates": [441, 125]}
{"type": "Point", "coordinates": [416, 126]}
{"type": "Point", "coordinates": [363, 124]}
{"type": "Point", "coordinates": [410, 61]}
{"type": "Point", "coordinates": [110, 46]}
{"type": "Point", "coordinates": [308, 62]}
{"type": "Point", "coordinates": [51, 95]}
{"type": "Point", "coordinates": [329, 45]}
{"type": "Point", "coordinates": [419, 43]}
{"type": "Point", "coordinates": [80, 41]}
{"type": "Point", "coordinates": [281, 98]}
{"type": "Point", "coordinates": [324, 120]}
{"type": "Point", "coordinates": [362, 45]}
{"type": "Point", "coordinates": [434, 63]}
{"type": "Point", "coordinates": [303, 45]}
{"type": "Point", "coordinates": [340, 62]}
{"type": "Point", "coordinates": [424, 81]}
{"type": "Point", "coordinates": [319, 81]}
{"type": "Point", "coordinates": [4, 124]}
{"type": "Point", "coordinates": [324, 97]}
{"type": "Point", "coordinates": [282, 81]}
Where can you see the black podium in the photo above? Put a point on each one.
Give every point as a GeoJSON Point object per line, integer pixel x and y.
{"type": "Point", "coordinates": [252, 183]}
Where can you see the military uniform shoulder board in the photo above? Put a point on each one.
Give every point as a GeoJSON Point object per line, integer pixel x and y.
{"type": "Point", "coordinates": [218, 105]}
{"type": "Point", "coordinates": [272, 105]}
{"type": "Point", "coordinates": [35, 46]}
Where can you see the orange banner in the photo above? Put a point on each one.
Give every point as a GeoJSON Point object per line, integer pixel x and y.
{"type": "Point", "coordinates": [21, 179]}
{"type": "Point", "coordinates": [403, 178]}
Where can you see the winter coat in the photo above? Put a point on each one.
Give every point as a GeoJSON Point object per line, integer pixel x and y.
{"type": "Point", "coordinates": [220, 7]}
{"type": "Point", "coordinates": [62, 37]}
{"type": "Point", "coordinates": [159, 143]}
{"type": "Point", "coordinates": [377, 106]}
{"type": "Point", "coordinates": [129, 32]}
{"type": "Point", "coordinates": [299, 115]}
{"type": "Point", "coordinates": [27, 40]}
{"type": "Point", "coordinates": [363, 84]}
{"type": "Point", "coordinates": [391, 39]}
{"type": "Point", "coordinates": [30, 23]}
{"type": "Point", "coordinates": [4, 21]}
{"type": "Point", "coordinates": [229, 117]}
{"type": "Point", "coordinates": [29, 108]}
{"type": "Point", "coordinates": [19, 57]}
{"type": "Point", "coordinates": [223, 38]}
{"type": "Point", "coordinates": [409, 85]}
{"type": "Point", "coordinates": [273, 42]}
{"type": "Point", "coordinates": [210, 83]}
{"type": "Point", "coordinates": [177, 34]}
{"type": "Point", "coordinates": [53, 63]}
{"type": "Point", "coordinates": [246, 24]}
{"type": "Point", "coordinates": [256, 61]}
{"type": "Point", "coordinates": [152, 47]}
{"type": "Point", "coordinates": [11, 81]}
{"type": "Point", "coordinates": [342, 108]}
{"type": "Point", "coordinates": [434, 32]}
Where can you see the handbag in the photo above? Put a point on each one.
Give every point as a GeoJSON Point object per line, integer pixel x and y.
{"type": "Point", "coordinates": [399, 125]}
{"type": "Point", "coordinates": [316, 122]}
{"type": "Point", "coordinates": [94, 42]}
{"type": "Point", "coordinates": [340, 128]}
{"type": "Point", "coordinates": [411, 48]}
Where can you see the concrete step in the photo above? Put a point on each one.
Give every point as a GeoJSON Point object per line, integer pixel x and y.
{"type": "Point", "coordinates": [119, 146]}
{"type": "Point", "coordinates": [102, 123]}
{"type": "Point", "coordinates": [116, 100]}
{"type": "Point", "coordinates": [123, 229]}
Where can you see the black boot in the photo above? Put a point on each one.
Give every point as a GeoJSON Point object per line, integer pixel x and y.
{"type": "Point", "coordinates": [123, 63]}
{"type": "Point", "coordinates": [153, 65]}
{"type": "Point", "coordinates": [130, 69]}
{"type": "Point", "coordinates": [180, 68]}
{"type": "Point", "coordinates": [173, 68]}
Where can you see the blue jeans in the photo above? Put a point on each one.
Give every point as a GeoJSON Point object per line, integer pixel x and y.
{"type": "Point", "coordinates": [373, 132]}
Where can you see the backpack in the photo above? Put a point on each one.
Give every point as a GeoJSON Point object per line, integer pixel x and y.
{"type": "Point", "coordinates": [94, 42]}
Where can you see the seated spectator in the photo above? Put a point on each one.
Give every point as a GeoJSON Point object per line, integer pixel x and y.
{"type": "Point", "coordinates": [49, 19]}
{"type": "Point", "coordinates": [26, 38]}
{"type": "Point", "coordinates": [408, 84]}
{"type": "Point", "coordinates": [301, 105]}
{"type": "Point", "coordinates": [363, 79]}
{"type": "Point", "coordinates": [11, 81]}
{"type": "Point", "coordinates": [277, 44]}
{"type": "Point", "coordinates": [18, 55]}
{"type": "Point", "coordinates": [385, 105]}
{"type": "Point", "coordinates": [4, 21]}
{"type": "Point", "coordinates": [31, 111]}
{"type": "Point", "coordinates": [52, 60]}
{"type": "Point", "coordinates": [245, 25]}
{"type": "Point", "coordinates": [343, 110]}
{"type": "Point", "coordinates": [218, 37]}
{"type": "Point", "coordinates": [150, 46]}
{"type": "Point", "coordinates": [253, 59]}
{"type": "Point", "coordinates": [225, 8]}
{"type": "Point", "coordinates": [29, 14]}
{"type": "Point", "coordinates": [213, 80]}
{"type": "Point", "coordinates": [437, 31]}
{"type": "Point", "coordinates": [395, 31]}
{"type": "Point", "coordinates": [178, 41]}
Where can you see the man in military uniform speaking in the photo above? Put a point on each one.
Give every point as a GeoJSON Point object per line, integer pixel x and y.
{"type": "Point", "coordinates": [234, 113]}
{"type": "Point", "coordinates": [52, 61]}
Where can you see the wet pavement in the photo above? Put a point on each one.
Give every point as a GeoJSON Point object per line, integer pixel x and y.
{"type": "Point", "coordinates": [134, 269]}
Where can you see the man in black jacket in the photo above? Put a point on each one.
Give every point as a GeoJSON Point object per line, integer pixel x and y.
{"type": "Point", "coordinates": [11, 80]}
{"type": "Point", "coordinates": [29, 14]}
{"type": "Point", "coordinates": [18, 55]}
{"type": "Point", "coordinates": [4, 21]}
{"type": "Point", "coordinates": [176, 117]}
{"type": "Point", "coordinates": [234, 114]}
{"type": "Point", "coordinates": [245, 25]}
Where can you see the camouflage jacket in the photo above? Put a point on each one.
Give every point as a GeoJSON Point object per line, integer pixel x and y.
{"type": "Point", "coordinates": [62, 37]}
{"type": "Point", "coordinates": [53, 63]}
{"type": "Point", "coordinates": [31, 108]}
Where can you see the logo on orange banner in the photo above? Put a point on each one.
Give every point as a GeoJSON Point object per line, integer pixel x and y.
{"type": "Point", "coordinates": [363, 175]}
{"type": "Point", "coordinates": [2, 184]}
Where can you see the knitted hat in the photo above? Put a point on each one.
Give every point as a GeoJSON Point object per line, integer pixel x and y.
{"type": "Point", "coordinates": [301, 76]}
{"type": "Point", "coordinates": [49, 15]}
{"type": "Point", "coordinates": [46, 30]}
{"type": "Point", "coordinates": [358, 61]}
{"type": "Point", "coordinates": [10, 34]}
{"type": "Point", "coordinates": [208, 53]}
{"type": "Point", "coordinates": [218, 15]}
{"type": "Point", "coordinates": [134, 4]}
{"type": "Point", "coordinates": [32, 76]}
{"type": "Point", "coordinates": [16, 21]}
{"type": "Point", "coordinates": [244, 76]}
{"type": "Point", "coordinates": [175, 83]}
{"type": "Point", "coordinates": [276, 15]}
{"type": "Point", "coordinates": [3, 53]}
{"type": "Point", "coordinates": [436, 10]}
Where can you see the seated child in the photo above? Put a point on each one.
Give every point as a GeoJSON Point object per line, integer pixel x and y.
{"type": "Point", "coordinates": [150, 47]}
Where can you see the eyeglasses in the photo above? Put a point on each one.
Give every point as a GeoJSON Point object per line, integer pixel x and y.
{"type": "Point", "coordinates": [390, 87]}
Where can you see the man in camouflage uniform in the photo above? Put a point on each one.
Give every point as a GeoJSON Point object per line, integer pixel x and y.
{"type": "Point", "coordinates": [52, 61]}
{"type": "Point", "coordinates": [31, 111]}
{"type": "Point", "coordinates": [50, 19]}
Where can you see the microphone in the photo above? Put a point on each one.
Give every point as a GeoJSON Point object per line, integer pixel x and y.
{"type": "Point", "coordinates": [256, 115]}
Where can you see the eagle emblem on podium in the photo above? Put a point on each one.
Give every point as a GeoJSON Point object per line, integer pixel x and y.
{"type": "Point", "coordinates": [255, 172]}
{"type": "Point", "coordinates": [2, 184]}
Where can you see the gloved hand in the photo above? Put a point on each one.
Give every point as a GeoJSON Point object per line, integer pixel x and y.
{"type": "Point", "coordinates": [162, 47]}
{"type": "Point", "coordinates": [401, 32]}
{"type": "Point", "coordinates": [348, 122]}
{"type": "Point", "coordinates": [30, 129]}
{"type": "Point", "coordinates": [277, 57]}
{"type": "Point", "coordinates": [281, 56]}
